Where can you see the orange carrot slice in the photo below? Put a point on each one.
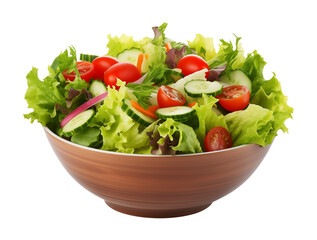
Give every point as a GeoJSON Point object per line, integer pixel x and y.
{"type": "Point", "coordinates": [142, 110]}
{"type": "Point", "coordinates": [140, 61]}
{"type": "Point", "coordinates": [168, 46]}
{"type": "Point", "coordinates": [192, 104]}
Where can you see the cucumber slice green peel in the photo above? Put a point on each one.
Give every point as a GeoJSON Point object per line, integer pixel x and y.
{"type": "Point", "coordinates": [135, 114]}
{"type": "Point", "coordinates": [178, 113]}
{"type": "Point", "coordinates": [196, 88]}
{"type": "Point", "coordinates": [78, 122]}
{"type": "Point", "coordinates": [237, 77]}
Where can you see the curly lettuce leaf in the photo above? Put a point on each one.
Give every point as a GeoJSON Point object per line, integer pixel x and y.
{"type": "Point", "coordinates": [156, 55]}
{"type": "Point", "coordinates": [208, 119]}
{"type": "Point", "coordinates": [270, 96]}
{"type": "Point", "coordinates": [117, 44]}
{"type": "Point", "coordinates": [65, 61]}
{"type": "Point", "coordinates": [153, 49]}
{"type": "Point", "coordinates": [267, 93]}
{"type": "Point", "coordinates": [232, 57]}
{"type": "Point", "coordinates": [42, 96]}
{"type": "Point", "coordinates": [187, 143]}
{"type": "Point", "coordinates": [119, 132]}
{"type": "Point", "coordinates": [252, 125]}
{"type": "Point", "coordinates": [204, 47]}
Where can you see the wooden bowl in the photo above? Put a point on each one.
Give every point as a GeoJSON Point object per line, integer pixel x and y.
{"type": "Point", "coordinates": [158, 186]}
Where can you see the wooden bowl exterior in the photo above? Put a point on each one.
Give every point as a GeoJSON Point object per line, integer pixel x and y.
{"type": "Point", "coordinates": [158, 186]}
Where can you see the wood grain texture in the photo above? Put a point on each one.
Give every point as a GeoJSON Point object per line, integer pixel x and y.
{"type": "Point", "coordinates": [158, 186]}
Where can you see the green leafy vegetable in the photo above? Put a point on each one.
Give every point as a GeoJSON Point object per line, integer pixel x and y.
{"type": "Point", "coordinates": [42, 97]}
{"type": "Point", "coordinates": [117, 44]}
{"type": "Point", "coordinates": [270, 96]}
{"type": "Point", "coordinates": [207, 117]}
{"type": "Point", "coordinates": [228, 55]}
{"type": "Point", "coordinates": [267, 93]}
{"type": "Point", "coordinates": [252, 125]}
{"type": "Point", "coordinates": [119, 132]}
{"type": "Point", "coordinates": [188, 142]}
{"type": "Point", "coordinates": [203, 46]}
{"type": "Point", "coordinates": [89, 137]}
{"type": "Point", "coordinates": [65, 61]}
{"type": "Point", "coordinates": [142, 92]}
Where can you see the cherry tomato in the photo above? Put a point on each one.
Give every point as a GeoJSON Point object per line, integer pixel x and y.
{"type": "Point", "coordinates": [234, 98]}
{"type": "Point", "coordinates": [86, 71]}
{"type": "Point", "coordinates": [192, 63]}
{"type": "Point", "coordinates": [126, 72]}
{"type": "Point", "coordinates": [217, 138]}
{"type": "Point", "coordinates": [169, 97]}
{"type": "Point", "coordinates": [101, 64]}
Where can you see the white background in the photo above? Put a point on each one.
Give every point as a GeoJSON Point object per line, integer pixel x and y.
{"type": "Point", "coordinates": [39, 200]}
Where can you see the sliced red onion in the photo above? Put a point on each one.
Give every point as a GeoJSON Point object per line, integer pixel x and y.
{"type": "Point", "coordinates": [83, 107]}
{"type": "Point", "coordinates": [141, 79]}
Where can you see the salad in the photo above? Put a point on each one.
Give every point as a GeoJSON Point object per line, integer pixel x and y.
{"type": "Point", "coordinates": [159, 96]}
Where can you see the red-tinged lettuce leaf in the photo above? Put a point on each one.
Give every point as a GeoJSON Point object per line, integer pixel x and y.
{"type": "Point", "coordinates": [75, 96]}
{"type": "Point", "coordinates": [183, 134]}
{"type": "Point", "coordinates": [166, 145]}
{"type": "Point", "coordinates": [173, 56]}
{"type": "Point", "coordinates": [215, 72]}
{"type": "Point", "coordinates": [159, 31]}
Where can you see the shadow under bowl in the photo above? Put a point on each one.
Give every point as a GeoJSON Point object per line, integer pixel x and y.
{"type": "Point", "coordinates": [158, 186]}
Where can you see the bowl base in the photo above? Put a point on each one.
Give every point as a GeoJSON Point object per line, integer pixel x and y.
{"type": "Point", "coordinates": [154, 213]}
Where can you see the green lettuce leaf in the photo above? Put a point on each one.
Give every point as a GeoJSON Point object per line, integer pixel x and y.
{"type": "Point", "coordinates": [203, 46]}
{"type": "Point", "coordinates": [117, 44]}
{"type": "Point", "coordinates": [208, 119]}
{"type": "Point", "coordinates": [119, 132]}
{"type": "Point", "coordinates": [156, 55]}
{"type": "Point", "coordinates": [188, 142]}
{"type": "Point", "coordinates": [253, 67]}
{"type": "Point", "coordinates": [252, 125]}
{"type": "Point", "coordinates": [228, 55]}
{"type": "Point", "coordinates": [270, 96]}
{"type": "Point", "coordinates": [155, 50]}
{"type": "Point", "coordinates": [89, 137]}
{"type": "Point", "coordinates": [42, 96]}
{"type": "Point", "coordinates": [267, 93]}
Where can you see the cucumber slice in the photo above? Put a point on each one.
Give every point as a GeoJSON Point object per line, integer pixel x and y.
{"type": "Point", "coordinates": [97, 87]}
{"type": "Point", "coordinates": [196, 88]}
{"type": "Point", "coordinates": [178, 113]}
{"type": "Point", "coordinates": [174, 75]}
{"type": "Point", "coordinates": [87, 57]}
{"type": "Point", "coordinates": [179, 85]}
{"type": "Point", "coordinates": [135, 114]}
{"type": "Point", "coordinates": [78, 122]}
{"type": "Point", "coordinates": [237, 77]}
{"type": "Point", "coordinates": [130, 55]}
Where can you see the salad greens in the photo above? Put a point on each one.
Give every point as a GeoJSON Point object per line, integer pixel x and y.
{"type": "Point", "coordinates": [113, 129]}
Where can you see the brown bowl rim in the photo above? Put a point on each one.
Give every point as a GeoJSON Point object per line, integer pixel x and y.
{"type": "Point", "coordinates": [50, 132]}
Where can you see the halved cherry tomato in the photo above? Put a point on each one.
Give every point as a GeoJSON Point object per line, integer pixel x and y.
{"type": "Point", "coordinates": [169, 97]}
{"type": "Point", "coordinates": [234, 98]}
{"type": "Point", "coordinates": [126, 72]}
{"type": "Point", "coordinates": [86, 71]}
{"type": "Point", "coordinates": [217, 138]}
{"type": "Point", "coordinates": [142, 110]}
{"type": "Point", "coordinates": [192, 63]}
{"type": "Point", "coordinates": [101, 64]}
